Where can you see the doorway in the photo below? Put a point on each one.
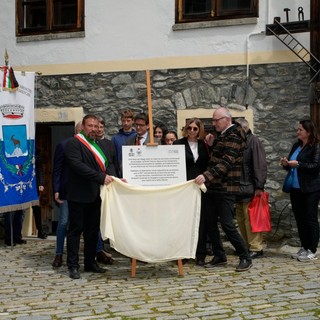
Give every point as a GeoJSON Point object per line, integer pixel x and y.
{"type": "Point", "coordinates": [48, 135]}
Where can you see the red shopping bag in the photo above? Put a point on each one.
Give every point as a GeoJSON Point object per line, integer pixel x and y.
{"type": "Point", "coordinates": [259, 213]}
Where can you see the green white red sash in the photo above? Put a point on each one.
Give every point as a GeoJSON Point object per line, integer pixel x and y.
{"type": "Point", "coordinates": [95, 149]}
{"type": "Point", "coordinates": [9, 81]}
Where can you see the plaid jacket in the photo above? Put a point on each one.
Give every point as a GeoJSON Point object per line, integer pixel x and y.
{"type": "Point", "coordinates": [224, 167]}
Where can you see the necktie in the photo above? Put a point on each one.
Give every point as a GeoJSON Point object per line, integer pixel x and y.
{"type": "Point", "coordinates": [138, 141]}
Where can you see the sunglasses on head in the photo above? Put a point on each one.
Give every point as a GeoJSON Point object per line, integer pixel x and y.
{"type": "Point", "coordinates": [193, 128]}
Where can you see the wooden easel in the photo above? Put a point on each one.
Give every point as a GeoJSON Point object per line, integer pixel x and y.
{"type": "Point", "coordinates": [134, 268]}
{"type": "Point", "coordinates": [151, 143]}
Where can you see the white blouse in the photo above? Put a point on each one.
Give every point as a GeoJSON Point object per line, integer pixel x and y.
{"type": "Point", "coordinates": [194, 148]}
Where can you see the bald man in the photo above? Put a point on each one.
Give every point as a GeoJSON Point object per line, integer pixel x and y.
{"type": "Point", "coordinates": [222, 180]}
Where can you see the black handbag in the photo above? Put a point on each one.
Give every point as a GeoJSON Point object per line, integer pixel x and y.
{"type": "Point", "coordinates": [288, 181]}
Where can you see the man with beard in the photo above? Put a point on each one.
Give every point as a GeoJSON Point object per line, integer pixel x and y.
{"type": "Point", "coordinates": [87, 165]}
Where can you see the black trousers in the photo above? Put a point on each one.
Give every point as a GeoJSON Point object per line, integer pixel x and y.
{"type": "Point", "coordinates": [17, 219]}
{"type": "Point", "coordinates": [84, 218]}
{"type": "Point", "coordinates": [219, 208]}
{"type": "Point", "coordinates": [202, 238]}
{"type": "Point", "coordinates": [305, 210]}
{"type": "Point", "coordinates": [36, 210]}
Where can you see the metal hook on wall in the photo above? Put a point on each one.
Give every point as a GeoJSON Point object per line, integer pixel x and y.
{"type": "Point", "coordinates": [300, 14]}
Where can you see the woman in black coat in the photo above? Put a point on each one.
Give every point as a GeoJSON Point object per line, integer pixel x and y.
{"type": "Point", "coordinates": [304, 159]}
{"type": "Point", "coordinates": [197, 152]}
{"type": "Point", "coordinates": [197, 157]}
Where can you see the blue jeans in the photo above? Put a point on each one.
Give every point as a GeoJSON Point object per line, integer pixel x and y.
{"type": "Point", "coordinates": [99, 243]}
{"type": "Point", "coordinates": [62, 227]}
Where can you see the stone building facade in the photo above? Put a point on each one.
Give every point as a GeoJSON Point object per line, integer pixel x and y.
{"type": "Point", "coordinates": [278, 95]}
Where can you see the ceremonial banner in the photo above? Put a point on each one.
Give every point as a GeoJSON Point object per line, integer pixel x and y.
{"type": "Point", "coordinates": [18, 188]}
{"type": "Point", "coordinates": [151, 224]}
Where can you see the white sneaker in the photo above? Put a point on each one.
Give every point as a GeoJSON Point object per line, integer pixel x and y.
{"type": "Point", "coordinates": [308, 257]}
{"type": "Point", "coordinates": [302, 251]}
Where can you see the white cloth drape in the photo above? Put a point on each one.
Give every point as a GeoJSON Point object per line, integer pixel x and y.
{"type": "Point", "coordinates": [151, 224]}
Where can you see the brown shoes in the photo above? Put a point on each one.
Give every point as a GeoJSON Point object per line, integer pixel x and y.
{"type": "Point", "coordinates": [57, 262]}
{"type": "Point", "coordinates": [104, 257]}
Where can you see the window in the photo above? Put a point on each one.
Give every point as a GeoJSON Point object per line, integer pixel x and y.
{"type": "Point", "coordinates": [204, 10]}
{"type": "Point", "coordinates": [49, 16]}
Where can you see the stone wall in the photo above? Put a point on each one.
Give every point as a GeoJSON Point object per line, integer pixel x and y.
{"type": "Point", "coordinates": [277, 93]}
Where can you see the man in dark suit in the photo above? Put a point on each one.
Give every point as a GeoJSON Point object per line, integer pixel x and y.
{"type": "Point", "coordinates": [141, 122]}
{"type": "Point", "coordinates": [87, 165]}
{"type": "Point", "coordinates": [109, 150]}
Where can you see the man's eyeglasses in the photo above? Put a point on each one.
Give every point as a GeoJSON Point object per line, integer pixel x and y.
{"type": "Point", "coordinates": [216, 120]}
{"type": "Point", "coordinates": [140, 125]}
{"type": "Point", "coordinates": [193, 128]}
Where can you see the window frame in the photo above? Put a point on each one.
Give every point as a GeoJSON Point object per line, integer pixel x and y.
{"type": "Point", "coordinates": [215, 15]}
{"type": "Point", "coordinates": [49, 28]}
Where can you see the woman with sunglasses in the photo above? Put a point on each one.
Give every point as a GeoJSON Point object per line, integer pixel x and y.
{"type": "Point", "coordinates": [197, 157]}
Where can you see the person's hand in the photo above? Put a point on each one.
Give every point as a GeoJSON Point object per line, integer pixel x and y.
{"type": "Point", "coordinates": [41, 188]}
{"type": "Point", "coordinates": [124, 180]}
{"type": "Point", "coordinates": [56, 198]}
{"type": "Point", "coordinates": [284, 162]}
{"type": "Point", "coordinates": [258, 192]}
{"type": "Point", "coordinates": [108, 179]}
{"type": "Point", "coordinates": [200, 179]}
{"type": "Point", "coordinates": [209, 139]}
{"type": "Point", "coordinates": [293, 163]}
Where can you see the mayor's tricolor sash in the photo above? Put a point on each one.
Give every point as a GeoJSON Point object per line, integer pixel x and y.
{"type": "Point", "coordinates": [95, 149]}
{"type": "Point", "coordinates": [18, 187]}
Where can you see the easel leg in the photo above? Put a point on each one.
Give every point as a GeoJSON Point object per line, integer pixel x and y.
{"type": "Point", "coordinates": [133, 267]}
{"type": "Point", "coordinates": [180, 268]}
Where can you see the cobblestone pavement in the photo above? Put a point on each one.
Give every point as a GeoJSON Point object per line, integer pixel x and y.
{"type": "Point", "coordinates": [276, 287]}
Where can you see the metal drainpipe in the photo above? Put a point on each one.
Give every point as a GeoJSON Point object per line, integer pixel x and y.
{"type": "Point", "coordinates": [248, 64]}
{"type": "Point", "coordinates": [247, 53]}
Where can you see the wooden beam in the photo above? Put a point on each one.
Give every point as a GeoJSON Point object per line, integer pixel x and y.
{"type": "Point", "coordinates": [151, 143]}
{"type": "Point", "coordinates": [292, 27]}
{"type": "Point", "coordinates": [315, 50]}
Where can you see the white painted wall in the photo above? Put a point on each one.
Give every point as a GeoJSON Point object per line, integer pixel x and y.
{"type": "Point", "coordinates": [126, 30]}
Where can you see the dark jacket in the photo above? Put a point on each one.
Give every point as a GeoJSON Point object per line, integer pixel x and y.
{"type": "Point", "coordinates": [85, 175]}
{"type": "Point", "coordinates": [198, 167]}
{"type": "Point", "coordinates": [119, 140]}
{"type": "Point", "coordinates": [309, 167]}
{"type": "Point", "coordinates": [253, 169]}
{"type": "Point", "coordinates": [109, 150]}
{"type": "Point", "coordinates": [131, 141]}
{"type": "Point", "coordinates": [224, 167]}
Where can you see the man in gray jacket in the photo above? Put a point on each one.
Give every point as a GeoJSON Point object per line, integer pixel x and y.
{"type": "Point", "coordinates": [253, 179]}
